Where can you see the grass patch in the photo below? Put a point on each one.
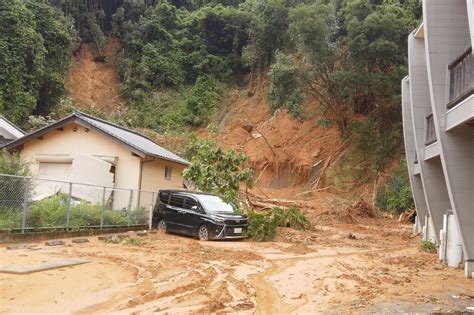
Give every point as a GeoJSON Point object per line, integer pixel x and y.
{"type": "Point", "coordinates": [428, 246]}
{"type": "Point", "coordinates": [51, 213]}
{"type": "Point", "coordinates": [135, 241]}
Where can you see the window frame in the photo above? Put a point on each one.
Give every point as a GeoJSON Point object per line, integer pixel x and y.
{"type": "Point", "coordinates": [176, 196]}
{"type": "Point", "coordinates": [170, 169]}
{"type": "Point", "coordinates": [196, 203]}
{"type": "Point", "coordinates": [163, 193]}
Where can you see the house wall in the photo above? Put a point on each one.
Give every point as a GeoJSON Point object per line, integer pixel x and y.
{"type": "Point", "coordinates": [67, 142]}
{"type": "Point", "coordinates": [153, 179]}
{"type": "Point", "coordinates": [153, 175]}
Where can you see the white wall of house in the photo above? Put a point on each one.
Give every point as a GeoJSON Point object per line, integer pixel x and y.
{"type": "Point", "coordinates": [75, 139]}
{"type": "Point", "coordinates": [78, 154]}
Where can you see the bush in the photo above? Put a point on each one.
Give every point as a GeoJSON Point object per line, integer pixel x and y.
{"type": "Point", "coordinates": [12, 189]}
{"type": "Point", "coordinates": [10, 219]}
{"type": "Point", "coordinates": [263, 226]}
{"type": "Point", "coordinates": [396, 196]}
{"type": "Point", "coordinates": [52, 212]}
{"type": "Point", "coordinates": [11, 164]}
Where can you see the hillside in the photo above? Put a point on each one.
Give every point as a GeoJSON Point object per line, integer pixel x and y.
{"type": "Point", "coordinates": [308, 91]}
{"type": "Point", "coordinates": [95, 83]}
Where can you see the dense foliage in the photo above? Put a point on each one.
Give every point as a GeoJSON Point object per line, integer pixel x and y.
{"type": "Point", "coordinates": [34, 57]}
{"type": "Point", "coordinates": [179, 55]}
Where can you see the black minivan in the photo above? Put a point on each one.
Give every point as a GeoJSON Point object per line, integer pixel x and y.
{"type": "Point", "coordinates": [201, 215]}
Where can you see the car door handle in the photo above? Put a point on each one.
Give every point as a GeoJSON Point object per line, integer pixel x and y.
{"type": "Point", "coordinates": [181, 212]}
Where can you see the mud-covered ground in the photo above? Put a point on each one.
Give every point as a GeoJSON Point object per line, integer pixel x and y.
{"type": "Point", "coordinates": [372, 268]}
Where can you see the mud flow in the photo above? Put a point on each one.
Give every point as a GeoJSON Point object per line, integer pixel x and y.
{"type": "Point", "coordinates": [349, 268]}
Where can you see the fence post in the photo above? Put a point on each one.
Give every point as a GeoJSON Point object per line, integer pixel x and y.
{"type": "Point", "coordinates": [129, 207]}
{"type": "Point", "coordinates": [68, 214]}
{"type": "Point", "coordinates": [150, 214]}
{"type": "Point", "coordinates": [25, 206]}
{"type": "Point", "coordinates": [102, 210]}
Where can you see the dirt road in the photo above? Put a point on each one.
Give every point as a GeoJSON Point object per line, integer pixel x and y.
{"type": "Point", "coordinates": [371, 268]}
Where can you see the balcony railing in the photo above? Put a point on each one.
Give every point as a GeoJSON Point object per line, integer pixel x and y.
{"type": "Point", "coordinates": [461, 78]}
{"type": "Point", "coordinates": [430, 132]}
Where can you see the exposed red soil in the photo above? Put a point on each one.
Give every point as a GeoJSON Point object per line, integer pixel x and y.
{"type": "Point", "coordinates": [93, 83]}
{"type": "Point", "coordinates": [286, 153]}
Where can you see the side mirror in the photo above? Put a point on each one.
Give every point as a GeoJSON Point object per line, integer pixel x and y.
{"type": "Point", "coordinates": [195, 208]}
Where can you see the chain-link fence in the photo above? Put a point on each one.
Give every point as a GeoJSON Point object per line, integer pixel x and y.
{"type": "Point", "coordinates": [34, 204]}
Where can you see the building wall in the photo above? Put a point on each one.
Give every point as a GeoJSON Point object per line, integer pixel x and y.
{"type": "Point", "coordinates": [447, 36]}
{"type": "Point", "coordinates": [153, 178]}
{"type": "Point", "coordinates": [447, 165]}
{"type": "Point", "coordinates": [411, 154]}
{"type": "Point", "coordinates": [68, 142]}
{"type": "Point", "coordinates": [153, 175]}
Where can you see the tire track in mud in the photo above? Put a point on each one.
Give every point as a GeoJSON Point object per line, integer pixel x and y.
{"type": "Point", "coordinates": [269, 301]}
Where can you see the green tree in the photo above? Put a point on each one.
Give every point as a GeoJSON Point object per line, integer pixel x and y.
{"type": "Point", "coordinates": [267, 31]}
{"type": "Point", "coordinates": [34, 57]}
{"type": "Point", "coordinates": [285, 86]}
{"type": "Point", "coordinates": [313, 30]}
{"type": "Point", "coordinates": [214, 170]}
{"type": "Point", "coordinates": [22, 57]}
{"type": "Point", "coordinates": [53, 28]}
{"type": "Point", "coordinates": [376, 44]}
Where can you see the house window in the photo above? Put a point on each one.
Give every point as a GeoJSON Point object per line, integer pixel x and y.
{"type": "Point", "coordinates": [168, 172]}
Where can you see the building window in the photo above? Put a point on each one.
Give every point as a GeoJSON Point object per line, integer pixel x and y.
{"type": "Point", "coordinates": [168, 172]}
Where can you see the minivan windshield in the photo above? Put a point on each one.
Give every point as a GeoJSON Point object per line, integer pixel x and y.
{"type": "Point", "coordinates": [214, 204]}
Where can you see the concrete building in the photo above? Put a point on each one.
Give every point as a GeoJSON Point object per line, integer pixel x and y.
{"type": "Point", "coordinates": [84, 149]}
{"type": "Point", "coordinates": [438, 121]}
{"type": "Point", "coordinates": [8, 131]}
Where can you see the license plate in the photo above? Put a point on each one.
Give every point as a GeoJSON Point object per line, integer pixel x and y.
{"type": "Point", "coordinates": [237, 230]}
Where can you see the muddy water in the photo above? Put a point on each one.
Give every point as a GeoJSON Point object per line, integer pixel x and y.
{"type": "Point", "coordinates": [268, 299]}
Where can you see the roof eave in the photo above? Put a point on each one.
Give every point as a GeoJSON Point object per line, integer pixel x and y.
{"type": "Point", "coordinates": [185, 163]}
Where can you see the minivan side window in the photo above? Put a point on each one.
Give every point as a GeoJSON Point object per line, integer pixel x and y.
{"type": "Point", "coordinates": [177, 201]}
{"type": "Point", "coordinates": [164, 197]}
{"type": "Point", "coordinates": [189, 203]}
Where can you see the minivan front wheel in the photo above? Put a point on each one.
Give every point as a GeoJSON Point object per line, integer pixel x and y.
{"type": "Point", "coordinates": [162, 226]}
{"type": "Point", "coordinates": [203, 233]}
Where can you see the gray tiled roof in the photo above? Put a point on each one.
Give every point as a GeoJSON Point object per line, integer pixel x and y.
{"type": "Point", "coordinates": [133, 139]}
{"type": "Point", "coordinates": [137, 142]}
